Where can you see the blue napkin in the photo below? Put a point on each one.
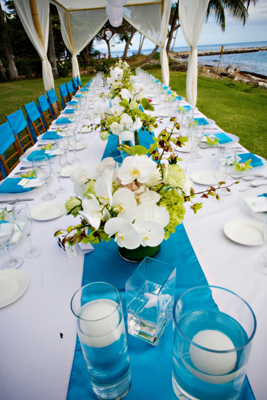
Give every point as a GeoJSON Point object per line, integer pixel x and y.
{"type": "Point", "coordinates": [61, 121]}
{"type": "Point", "coordinates": [179, 98]}
{"type": "Point", "coordinates": [165, 87]}
{"type": "Point", "coordinates": [73, 103]}
{"type": "Point", "coordinates": [223, 138]}
{"type": "Point", "coordinates": [255, 161]}
{"type": "Point", "coordinates": [38, 153]}
{"type": "Point", "coordinates": [10, 185]}
{"type": "Point", "coordinates": [69, 111]}
{"type": "Point", "coordinates": [84, 89]}
{"type": "Point", "coordinates": [187, 108]}
{"type": "Point", "coordinates": [78, 96]}
{"type": "Point", "coordinates": [169, 92]}
{"type": "Point", "coordinates": [262, 195]}
{"type": "Point", "coordinates": [50, 135]}
{"type": "Point", "coordinates": [201, 121]}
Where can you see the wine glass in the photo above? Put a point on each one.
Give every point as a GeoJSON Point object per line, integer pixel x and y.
{"type": "Point", "coordinates": [42, 170]}
{"type": "Point", "coordinates": [7, 228]}
{"type": "Point", "coordinates": [198, 132]}
{"type": "Point", "coordinates": [262, 267]}
{"type": "Point", "coordinates": [22, 217]}
{"type": "Point", "coordinates": [62, 143]}
{"type": "Point", "coordinates": [72, 138]}
{"type": "Point", "coordinates": [227, 158]}
{"type": "Point", "coordinates": [220, 175]}
{"type": "Point", "coordinates": [58, 173]}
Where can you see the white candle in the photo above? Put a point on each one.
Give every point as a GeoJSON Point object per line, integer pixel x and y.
{"type": "Point", "coordinates": [209, 362]}
{"type": "Point", "coordinates": [99, 323]}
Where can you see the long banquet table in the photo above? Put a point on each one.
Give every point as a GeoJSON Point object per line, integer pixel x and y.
{"type": "Point", "coordinates": [36, 360]}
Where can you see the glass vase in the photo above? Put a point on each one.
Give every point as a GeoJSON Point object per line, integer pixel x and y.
{"type": "Point", "coordinates": [137, 255]}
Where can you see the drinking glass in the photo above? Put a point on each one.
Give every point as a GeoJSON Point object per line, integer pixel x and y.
{"type": "Point", "coordinates": [62, 143]}
{"type": "Point", "coordinates": [22, 217]}
{"type": "Point", "coordinates": [58, 173]}
{"type": "Point", "coordinates": [72, 137]}
{"type": "Point", "coordinates": [6, 232]}
{"type": "Point", "coordinates": [42, 170]}
{"type": "Point", "coordinates": [228, 159]}
{"type": "Point", "coordinates": [262, 267]}
{"type": "Point", "coordinates": [100, 325]}
{"type": "Point", "coordinates": [220, 175]}
{"type": "Point", "coordinates": [213, 330]}
{"type": "Point", "coordinates": [198, 132]}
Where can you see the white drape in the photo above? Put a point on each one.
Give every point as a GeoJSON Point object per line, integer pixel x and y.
{"type": "Point", "coordinates": [192, 14]}
{"type": "Point", "coordinates": [84, 25]}
{"type": "Point", "coordinates": [25, 14]}
{"type": "Point", "coordinates": [152, 23]}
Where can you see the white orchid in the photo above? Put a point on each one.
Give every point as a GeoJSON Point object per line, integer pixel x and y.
{"type": "Point", "coordinates": [116, 73]}
{"type": "Point", "coordinates": [136, 167]}
{"type": "Point", "coordinates": [154, 179]}
{"type": "Point", "coordinates": [126, 235]}
{"type": "Point", "coordinates": [98, 110]}
{"type": "Point", "coordinates": [116, 110]}
{"type": "Point", "coordinates": [126, 135]}
{"type": "Point", "coordinates": [116, 128]}
{"type": "Point", "coordinates": [92, 211]}
{"type": "Point", "coordinates": [152, 233]}
{"type": "Point", "coordinates": [153, 213]}
{"type": "Point", "coordinates": [116, 101]}
{"type": "Point", "coordinates": [107, 163]}
{"type": "Point", "coordinates": [125, 204]}
{"type": "Point", "coordinates": [82, 174]}
{"type": "Point", "coordinates": [137, 124]}
{"type": "Point", "coordinates": [103, 187]}
{"type": "Point", "coordinates": [126, 121]}
{"type": "Point", "coordinates": [149, 197]}
{"type": "Point", "coordinates": [125, 94]}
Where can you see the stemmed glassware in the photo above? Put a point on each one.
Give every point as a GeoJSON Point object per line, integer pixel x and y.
{"type": "Point", "coordinates": [42, 170]}
{"type": "Point", "coordinates": [262, 267]}
{"type": "Point", "coordinates": [72, 137]}
{"type": "Point", "coordinates": [7, 228]}
{"type": "Point", "coordinates": [220, 175]}
{"type": "Point", "coordinates": [62, 143]}
{"type": "Point", "coordinates": [58, 173]}
{"type": "Point", "coordinates": [227, 158]}
{"type": "Point", "coordinates": [22, 217]}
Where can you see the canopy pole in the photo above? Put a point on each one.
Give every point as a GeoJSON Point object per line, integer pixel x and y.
{"type": "Point", "coordinates": [36, 21]}
{"type": "Point", "coordinates": [162, 8]}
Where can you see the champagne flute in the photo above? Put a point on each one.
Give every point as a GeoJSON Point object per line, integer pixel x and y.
{"type": "Point", "coordinates": [42, 170]}
{"type": "Point", "coordinates": [6, 232]}
{"type": "Point", "coordinates": [22, 216]}
{"type": "Point", "coordinates": [262, 267]}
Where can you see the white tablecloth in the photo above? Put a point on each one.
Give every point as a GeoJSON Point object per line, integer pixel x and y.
{"type": "Point", "coordinates": [35, 362]}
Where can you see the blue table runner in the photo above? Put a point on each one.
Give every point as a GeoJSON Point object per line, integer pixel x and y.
{"type": "Point", "coordinates": [151, 367]}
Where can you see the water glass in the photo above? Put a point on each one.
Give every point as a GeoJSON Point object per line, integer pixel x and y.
{"type": "Point", "coordinates": [72, 137]}
{"type": "Point", "coordinates": [149, 298]}
{"type": "Point", "coordinates": [58, 173]}
{"type": "Point", "coordinates": [100, 325]}
{"type": "Point", "coordinates": [213, 330]}
{"type": "Point", "coordinates": [7, 228]}
{"type": "Point", "coordinates": [62, 143]}
{"type": "Point", "coordinates": [42, 170]}
{"type": "Point", "coordinates": [22, 217]}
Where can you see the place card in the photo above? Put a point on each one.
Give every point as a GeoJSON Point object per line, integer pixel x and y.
{"type": "Point", "coordinates": [256, 204]}
{"type": "Point", "coordinates": [55, 152]}
{"type": "Point", "coordinates": [30, 183]}
{"type": "Point", "coordinates": [84, 248]}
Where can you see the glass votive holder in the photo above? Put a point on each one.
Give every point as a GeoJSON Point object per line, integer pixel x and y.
{"type": "Point", "coordinates": [100, 325]}
{"type": "Point", "coordinates": [149, 299]}
{"type": "Point", "coordinates": [213, 330]}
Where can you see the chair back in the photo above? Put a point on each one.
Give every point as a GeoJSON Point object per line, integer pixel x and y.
{"type": "Point", "coordinates": [64, 95]}
{"type": "Point", "coordinates": [79, 81]}
{"type": "Point", "coordinates": [34, 118]}
{"type": "Point", "coordinates": [44, 109]}
{"type": "Point", "coordinates": [71, 89]}
{"type": "Point", "coordinates": [76, 84]}
{"type": "Point", "coordinates": [53, 102]}
{"type": "Point", "coordinates": [20, 129]}
{"type": "Point", "coordinates": [8, 141]}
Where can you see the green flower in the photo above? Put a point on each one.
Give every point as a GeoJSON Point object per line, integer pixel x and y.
{"type": "Point", "coordinates": [243, 166]}
{"type": "Point", "coordinates": [212, 141]}
{"type": "Point", "coordinates": [89, 189]}
{"type": "Point", "coordinates": [104, 135]}
{"type": "Point", "coordinates": [174, 203]}
{"type": "Point", "coordinates": [174, 176]}
{"type": "Point", "coordinates": [133, 105]}
{"type": "Point", "coordinates": [73, 206]}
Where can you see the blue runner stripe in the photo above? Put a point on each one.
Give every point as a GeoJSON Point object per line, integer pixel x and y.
{"type": "Point", "coordinates": [151, 367]}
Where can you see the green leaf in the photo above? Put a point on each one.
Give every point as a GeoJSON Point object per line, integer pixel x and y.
{"type": "Point", "coordinates": [146, 104]}
{"type": "Point", "coordinates": [138, 150]}
{"type": "Point", "coordinates": [57, 233]}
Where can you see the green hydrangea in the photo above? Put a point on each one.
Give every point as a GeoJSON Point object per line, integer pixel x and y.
{"type": "Point", "coordinates": [174, 203]}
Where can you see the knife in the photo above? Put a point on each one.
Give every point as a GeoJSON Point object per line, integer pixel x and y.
{"type": "Point", "coordinates": [17, 200]}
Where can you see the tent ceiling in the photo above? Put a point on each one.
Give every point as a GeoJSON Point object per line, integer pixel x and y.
{"type": "Point", "coordinates": [71, 5]}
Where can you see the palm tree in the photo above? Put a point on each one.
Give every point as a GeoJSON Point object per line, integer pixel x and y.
{"type": "Point", "coordinates": [12, 70]}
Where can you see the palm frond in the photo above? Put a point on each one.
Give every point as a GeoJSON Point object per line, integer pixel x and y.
{"type": "Point", "coordinates": [236, 8]}
{"type": "Point", "coordinates": [216, 8]}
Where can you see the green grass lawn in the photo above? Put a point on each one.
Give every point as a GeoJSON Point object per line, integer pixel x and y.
{"type": "Point", "coordinates": [236, 107]}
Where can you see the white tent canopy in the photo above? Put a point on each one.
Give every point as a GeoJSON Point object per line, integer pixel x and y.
{"type": "Point", "coordinates": [81, 20]}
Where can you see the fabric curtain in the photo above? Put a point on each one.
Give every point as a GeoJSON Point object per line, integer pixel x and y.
{"type": "Point", "coordinates": [24, 11]}
{"type": "Point", "coordinates": [192, 14]}
{"type": "Point", "coordinates": [84, 26]}
{"type": "Point", "coordinates": [153, 24]}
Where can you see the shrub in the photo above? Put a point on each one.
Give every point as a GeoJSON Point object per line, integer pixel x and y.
{"type": "Point", "coordinates": [64, 68]}
{"type": "Point", "coordinates": [30, 67]}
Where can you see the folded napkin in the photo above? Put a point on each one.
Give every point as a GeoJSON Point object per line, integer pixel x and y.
{"type": "Point", "coordinates": [255, 161]}
{"type": "Point", "coordinates": [38, 153]}
{"type": "Point", "coordinates": [68, 111]}
{"type": "Point", "coordinates": [73, 103]}
{"type": "Point", "coordinates": [78, 96]}
{"type": "Point", "coordinates": [201, 121]}
{"type": "Point", "coordinates": [187, 108]}
{"type": "Point", "coordinates": [10, 185]}
{"type": "Point", "coordinates": [223, 138]}
{"type": "Point", "coordinates": [179, 98]}
{"type": "Point", "coordinates": [50, 135]}
{"type": "Point", "coordinates": [262, 195]}
{"type": "Point", "coordinates": [84, 89]}
{"type": "Point", "coordinates": [62, 121]}
{"type": "Point", "coordinates": [169, 92]}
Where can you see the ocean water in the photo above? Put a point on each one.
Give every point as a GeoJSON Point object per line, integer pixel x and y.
{"type": "Point", "coordinates": [250, 62]}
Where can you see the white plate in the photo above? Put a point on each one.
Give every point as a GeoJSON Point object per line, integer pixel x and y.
{"type": "Point", "coordinates": [204, 178]}
{"type": "Point", "coordinates": [48, 211]}
{"type": "Point", "coordinates": [242, 231]}
{"type": "Point", "coordinates": [13, 283]}
{"type": "Point", "coordinates": [164, 114]}
{"type": "Point", "coordinates": [184, 149]}
{"type": "Point", "coordinates": [79, 146]}
{"type": "Point", "coordinates": [253, 193]}
{"type": "Point", "coordinates": [87, 129]}
{"type": "Point", "coordinates": [67, 171]}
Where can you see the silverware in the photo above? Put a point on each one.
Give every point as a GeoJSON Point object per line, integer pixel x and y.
{"type": "Point", "coordinates": [14, 201]}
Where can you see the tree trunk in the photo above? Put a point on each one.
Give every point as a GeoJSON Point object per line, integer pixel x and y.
{"type": "Point", "coordinates": [173, 26]}
{"type": "Point", "coordinates": [3, 77]}
{"type": "Point", "coordinates": [109, 51]}
{"type": "Point", "coordinates": [90, 47]}
{"type": "Point", "coordinates": [150, 56]}
{"type": "Point", "coordinates": [142, 38]}
{"type": "Point", "coordinates": [128, 43]}
{"type": "Point", "coordinates": [51, 49]}
{"type": "Point", "coordinates": [12, 70]}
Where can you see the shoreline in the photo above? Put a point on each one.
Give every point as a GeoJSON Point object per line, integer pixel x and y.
{"type": "Point", "coordinates": [185, 54]}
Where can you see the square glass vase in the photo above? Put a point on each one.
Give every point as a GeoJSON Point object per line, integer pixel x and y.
{"type": "Point", "coordinates": [149, 299]}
